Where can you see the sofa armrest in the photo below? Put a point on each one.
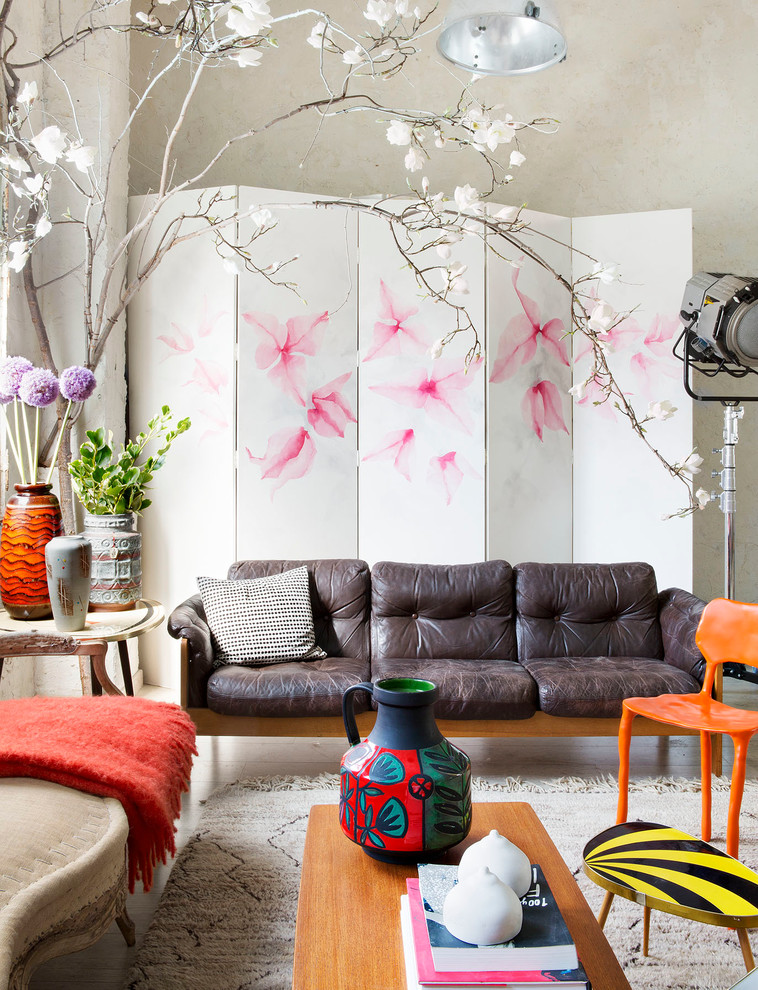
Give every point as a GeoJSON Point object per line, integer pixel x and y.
{"type": "Point", "coordinates": [679, 614]}
{"type": "Point", "coordinates": [188, 622]}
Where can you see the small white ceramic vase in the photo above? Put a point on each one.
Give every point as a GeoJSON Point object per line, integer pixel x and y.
{"type": "Point", "coordinates": [482, 910]}
{"type": "Point", "coordinates": [502, 857]}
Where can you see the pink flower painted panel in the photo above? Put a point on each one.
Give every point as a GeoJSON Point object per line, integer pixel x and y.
{"type": "Point", "coordinates": [297, 387]}
{"type": "Point", "coordinates": [421, 420]}
{"type": "Point", "coordinates": [621, 492]}
{"type": "Point", "coordinates": [529, 409]}
{"type": "Point", "coordinates": [181, 330]}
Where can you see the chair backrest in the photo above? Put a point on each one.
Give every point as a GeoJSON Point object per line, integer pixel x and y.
{"type": "Point", "coordinates": [727, 633]}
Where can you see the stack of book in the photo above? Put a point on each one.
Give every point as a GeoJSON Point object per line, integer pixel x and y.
{"type": "Point", "coordinates": [542, 953]}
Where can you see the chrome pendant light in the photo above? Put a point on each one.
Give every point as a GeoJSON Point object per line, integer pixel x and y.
{"type": "Point", "coordinates": [502, 37]}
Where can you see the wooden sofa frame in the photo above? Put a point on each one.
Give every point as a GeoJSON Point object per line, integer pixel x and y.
{"type": "Point", "coordinates": [539, 725]}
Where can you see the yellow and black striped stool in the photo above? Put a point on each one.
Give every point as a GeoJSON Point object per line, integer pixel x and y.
{"type": "Point", "coordinates": [663, 868]}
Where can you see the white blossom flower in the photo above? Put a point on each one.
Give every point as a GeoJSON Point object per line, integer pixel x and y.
{"type": "Point", "coordinates": [691, 464]}
{"type": "Point", "coordinates": [319, 34]}
{"type": "Point", "coordinates": [399, 132]}
{"type": "Point", "coordinates": [506, 213]}
{"type": "Point", "coordinates": [516, 159]}
{"type": "Point", "coordinates": [444, 248]}
{"type": "Point", "coordinates": [467, 199]}
{"type": "Point", "coordinates": [439, 139]}
{"type": "Point", "coordinates": [414, 160]}
{"type": "Point", "coordinates": [19, 251]}
{"type": "Point", "coordinates": [417, 13]}
{"type": "Point", "coordinates": [43, 227]}
{"type": "Point", "coordinates": [28, 93]}
{"type": "Point", "coordinates": [262, 218]}
{"type": "Point", "coordinates": [436, 349]}
{"type": "Point", "coordinates": [703, 497]}
{"type": "Point", "coordinates": [246, 57]}
{"type": "Point", "coordinates": [454, 279]}
{"type": "Point", "coordinates": [425, 185]}
{"type": "Point", "coordinates": [82, 156]}
{"type": "Point", "coordinates": [34, 185]}
{"type": "Point", "coordinates": [50, 143]}
{"type": "Point", "coordinates": [661, 410]}
{"type": "Point", "coordinates": [355, 57]}
{"type": "Point", "coordinates": [147, 19]}
{"type": "Point", "coordinates": [578, 391]}
{"type": "Point", "coordinates": [601, 317]}
{"type": "Point", "coordinates": [380, 11]}
{"type": "Point", "coordinates": [233, 265]}
{"type": "Point", "coordinates": [606, 273]}
{"type": "Point", "coordinates": [248, 17]}
{"type": "Point", "coordinates": [15, 163]}
{"type": "Point", "coordinates": [401, 8]}
{"type": "Point", "coordinates": [499, 132]}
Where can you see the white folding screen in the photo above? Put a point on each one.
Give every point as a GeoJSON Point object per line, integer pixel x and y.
{"type": "Point", "coordinates": [181, 354]}
{"type": "Point", "coordinates": [621, 494]}
{"type": "Point", "coordinates": [421, 430]}
{"type": "Point", "coordinates": [529, 408]}
{"type": "Point", "coordinates": [322, 427]}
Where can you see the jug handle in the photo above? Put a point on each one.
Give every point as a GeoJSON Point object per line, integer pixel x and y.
{"type": "Point", "coordinates": [348, 714]}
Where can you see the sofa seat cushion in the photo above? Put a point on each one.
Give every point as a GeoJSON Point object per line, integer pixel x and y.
{"type": "Point", "coordinates": [469, 688]}
{"type": "Point", "coordinates": [313, 687]}
{"type": "Point", "coordinates": [589, 687]}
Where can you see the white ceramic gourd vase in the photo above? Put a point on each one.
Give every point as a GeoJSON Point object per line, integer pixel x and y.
{"type": "Point", "coordinates": [482, 910]}
{"type": "Point", "coordinates": [509, 863]}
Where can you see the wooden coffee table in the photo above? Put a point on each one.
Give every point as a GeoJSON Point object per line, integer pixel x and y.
{"type": "Point", "coordinates": [348, 914]}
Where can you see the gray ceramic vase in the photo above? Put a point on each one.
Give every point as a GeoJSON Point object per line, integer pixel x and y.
{"type": "Point", "coordinates": [68, 560]}
{"type": "Point", "coordinates": [116, 561]}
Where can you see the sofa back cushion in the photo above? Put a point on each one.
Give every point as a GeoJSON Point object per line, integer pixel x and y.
{"type": "Point", "coordinates": [583, 610]}
{"type": "Point", "coordinates": [340, 592]}
{"type": "Point", "coordinates": [436, 611]}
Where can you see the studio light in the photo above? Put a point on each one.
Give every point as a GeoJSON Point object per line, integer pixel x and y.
{"type": "Point", "coordinates": [502, 37]}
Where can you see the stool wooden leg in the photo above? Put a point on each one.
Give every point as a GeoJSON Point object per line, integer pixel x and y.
{"type": "Point", "coordinates": [645, 930]}
{"type": "Point", "coordinates": [126, 670]}
{"type": "Point", "coordinates": [126, 926]}
{"type": "Point", "coordinates": [625, 741]}
{"type": "Point", "coordinates": [747, 952]}
{"type": "Point", "coordinates": [705, 785]}
{"type": "Point", "coordinates": [735, 794]}
{"type": "Point", "coordinates": [605, 908]}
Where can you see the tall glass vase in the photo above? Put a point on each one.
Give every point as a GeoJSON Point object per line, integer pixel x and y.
{"type": "Point", "coordinates": [32, 518]}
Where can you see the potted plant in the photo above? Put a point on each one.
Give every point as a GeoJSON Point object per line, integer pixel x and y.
{"type": "Point", "coordinates": [113, 490]}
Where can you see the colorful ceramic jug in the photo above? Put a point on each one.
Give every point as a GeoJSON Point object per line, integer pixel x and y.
{"type": "Point", "coordinates": [405, 791]}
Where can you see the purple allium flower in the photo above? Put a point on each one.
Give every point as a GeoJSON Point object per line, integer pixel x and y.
{"type": "Point", "coordinates": [5, 399]}
{"type": "Point", "coordinates": [12, 370]}
{"type": "Point", "coordinates": [39, 387]}
{"type": "Point", "coordinates": [77, 383]}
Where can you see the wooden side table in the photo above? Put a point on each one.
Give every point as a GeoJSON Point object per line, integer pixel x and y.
{"type": "Point", "coordinates": [100, 628]}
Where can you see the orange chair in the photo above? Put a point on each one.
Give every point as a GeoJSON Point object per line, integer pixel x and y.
{"type": "Point", "coordinates": [728, 632]}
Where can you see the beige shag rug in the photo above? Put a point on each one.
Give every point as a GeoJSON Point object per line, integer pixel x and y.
{"type": "Point", "coordinates": [226, 919]}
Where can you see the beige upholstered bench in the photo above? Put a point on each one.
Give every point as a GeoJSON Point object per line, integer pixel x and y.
{"type": "Point", "coordinates": [62, 873]}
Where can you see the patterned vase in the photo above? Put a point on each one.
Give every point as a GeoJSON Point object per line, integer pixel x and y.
{"type": "Point", "coordinates": [116, 580]}
{"type": "Point", "coordinates": [69, 560]}
{"type": "Point", "coordinates": [32, 518]}
{"type": "Point", "coordinates": [405, 791]}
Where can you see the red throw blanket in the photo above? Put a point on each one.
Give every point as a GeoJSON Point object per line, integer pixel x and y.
{"type": "Point", "coordinates": [135, 750]}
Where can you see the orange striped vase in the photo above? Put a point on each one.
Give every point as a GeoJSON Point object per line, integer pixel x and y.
{"type": "Point", "coordinates": [32, 518]}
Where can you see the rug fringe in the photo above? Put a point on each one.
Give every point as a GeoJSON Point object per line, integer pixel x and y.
{"type": "Point", "coordinates": [508, 785]}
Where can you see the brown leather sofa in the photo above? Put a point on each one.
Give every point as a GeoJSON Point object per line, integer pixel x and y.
{"type": "Point", "coordinates": [533, 650]}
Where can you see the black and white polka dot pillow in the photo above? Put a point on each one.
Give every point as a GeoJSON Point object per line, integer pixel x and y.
{"type": "Point", "coordinates": [261, 621]}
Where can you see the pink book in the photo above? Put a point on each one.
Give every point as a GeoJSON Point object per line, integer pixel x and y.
{"type": "Point", "coordinates": [429, 976]}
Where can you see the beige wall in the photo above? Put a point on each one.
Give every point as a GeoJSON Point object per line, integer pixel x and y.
{"type": "Point", "coordinates": [658, 109]}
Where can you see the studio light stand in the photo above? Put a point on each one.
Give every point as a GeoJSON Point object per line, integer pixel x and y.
{"type": "Point", "coordinates": [720, 337]}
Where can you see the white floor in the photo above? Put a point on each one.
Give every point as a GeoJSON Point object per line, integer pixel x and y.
{"type": "Point", "coordinates": [104, 965]}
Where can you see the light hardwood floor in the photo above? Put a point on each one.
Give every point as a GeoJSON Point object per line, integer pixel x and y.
{"type": "Point", "coordinates": [104, 965]}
